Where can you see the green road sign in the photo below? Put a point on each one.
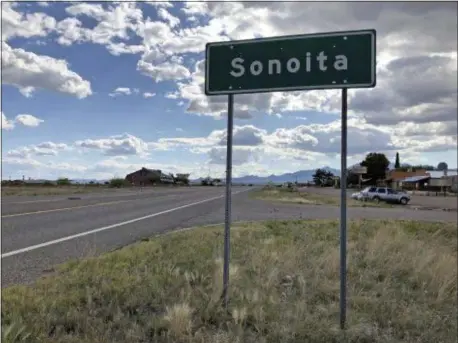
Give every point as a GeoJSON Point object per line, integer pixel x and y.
{"type": "Point", "coordinates": [290, 63]}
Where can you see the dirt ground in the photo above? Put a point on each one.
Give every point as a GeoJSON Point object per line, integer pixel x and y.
{"type": "Point", "coordinates": [449, 202]}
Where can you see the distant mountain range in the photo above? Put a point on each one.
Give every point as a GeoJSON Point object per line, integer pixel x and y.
{"type": "Point", "coordinates": [300, 176]}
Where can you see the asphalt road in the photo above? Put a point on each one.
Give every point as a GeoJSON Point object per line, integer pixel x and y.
{"type": "Point", "coordinates": [39, 233]}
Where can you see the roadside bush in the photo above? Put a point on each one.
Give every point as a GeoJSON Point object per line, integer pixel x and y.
{"type": "Point", "coordinates": [63, 181]}
{"type": "Point", "coordinates": [117, 183]}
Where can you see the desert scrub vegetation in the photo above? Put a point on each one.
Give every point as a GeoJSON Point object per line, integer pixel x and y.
{"type": "Point", "coordinates": [46, 190]}
{"type": "Point", "coordinates": [284, 287]}
{"type": "Point", "coordinates": [118, 183]}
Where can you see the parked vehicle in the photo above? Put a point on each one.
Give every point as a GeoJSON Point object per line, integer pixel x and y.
{"type": "Point", "coordinates": [357, 196]}
{"type": "Point", "coordinates": [386, 194]}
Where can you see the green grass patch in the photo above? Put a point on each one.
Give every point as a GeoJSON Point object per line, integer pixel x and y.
{"type": "Point", "coordinates": [284, 287]}
{"type": "Point", "coordinates": [309, 198]}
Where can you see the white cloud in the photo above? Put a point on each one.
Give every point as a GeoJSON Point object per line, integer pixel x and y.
{"type": "Point", "coordinates": [419, 130]}
{"type": "Point", "coordinates": [169, 70]}
{"type": "Point", "coordinates": [240, 155]}
{"type": "Point", "coordinates": [7, 124]}
{"type": "Point", "coordinates": [398, 99]}
{"type": "Point", "coordinates": [16, 24]}
{"type": "Point", "coordinates": [95, 11]}
{"type": "Point", "coordinates": [166, 4]}
{"type": "Point", "coordinates": [397, 26]}
{"type": "Point", "coordinates": [23, 119]}
{"type": "Point", "coordinates": [71, 31]}
{"type": "Point", "coordinates": [247, 135]}
{"type": "Point", "coordinates": [404, 112]}
{"type": "Point", "coordinates": [124, 144]}
{"type": "Point", "coordinates": [148, 95]}
{"type": "Point", "coordinates": [308, 142]}
{"type": "Point", "coordinates": [165, 15]}
{"type": "Point", "coordinates": [172, 95]}
{"type": "Point", "coordinates": [326, 138]}
{"type": "Point", "coordinates": [27, 91]}
{"type": "Point", "coordinates": [121, 91]}
{"type": "Point", "coordinates": [51, 145]}
{"type": "Point", "coordinates": [28, 120]}
{"type": "Point", "coordinates": [28, 71]}
{"type": "Point", "coordinates": [42, 149]}
{"type": "Point", "coordinates": [113, 24]}
{"type": "Point", "coordinates": [122, 48]}
{"type": "Point", "coordinates": [29, 167]}
{"type": "Point", "coordinates": [20, 162]}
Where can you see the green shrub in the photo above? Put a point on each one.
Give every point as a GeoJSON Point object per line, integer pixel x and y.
{"type": "Point", "coordinates": [118, 183]}
{"type": "Point", "coordinates": [63, 181]}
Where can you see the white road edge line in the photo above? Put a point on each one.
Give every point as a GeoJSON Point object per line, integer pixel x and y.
{"type": "Point", "coordinates": [86, 233]}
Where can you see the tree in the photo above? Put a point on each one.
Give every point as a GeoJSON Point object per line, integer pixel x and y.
{"type": "Point", "coordinates": [407, 167]}
{"type": "Point", "coordinates": [442, 166]}
{"type": "Point", "coordinates": [423, 166]}
{"type": "Point", "coordinates": [118, 183]}
{"type": "Point", "coordinates": [154, 177]}
{"type": "Point", "coordinates": [183, 178]}
{"type": "Point", "coordinates": [397, 164]}
{"type": "Point", "coordinates": [63, 181]}
{"type": "Point", "coordinates": [207, 181]}
{"type": "Point", "coordinates": [377, 165]}
{"type": "Point", "coordinates": [323, 177]}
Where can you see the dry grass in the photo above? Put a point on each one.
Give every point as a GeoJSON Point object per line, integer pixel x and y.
{"type": "Point", "coordinates": [309, 198]}
{"type": "Point", "coordinates": [49, 190]}
{"type": "Point", "coordinates": [284, 287]}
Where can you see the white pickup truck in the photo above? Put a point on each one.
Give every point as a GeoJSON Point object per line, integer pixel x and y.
{"type": "Point", "coordinates": [384, 194]}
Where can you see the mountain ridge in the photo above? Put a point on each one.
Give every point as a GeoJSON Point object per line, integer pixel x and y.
{"type": "Point", "coordinates": [299, 176]}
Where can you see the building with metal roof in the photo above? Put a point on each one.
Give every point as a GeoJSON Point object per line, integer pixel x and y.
{"type": "Point", "coordinates": [441, 173]}
{"type": "Point", "coordinates": [415, 179]}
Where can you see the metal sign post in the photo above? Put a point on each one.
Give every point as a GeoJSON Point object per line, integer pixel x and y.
{"type": "Point", "coordinates": [343, 212]}
{"type": "Point", "coordinates": [332, 60]}
{"type": "Point", "coordinates": [227, 218]}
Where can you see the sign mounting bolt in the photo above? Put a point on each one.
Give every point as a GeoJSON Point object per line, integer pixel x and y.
{"type": "Point", "coordinates": [345, 38]}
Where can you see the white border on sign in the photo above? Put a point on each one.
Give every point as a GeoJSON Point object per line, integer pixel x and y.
{"type": "Point", "coordinates": [372, 32]}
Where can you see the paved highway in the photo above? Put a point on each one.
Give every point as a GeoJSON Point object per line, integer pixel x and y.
{"type": "Point", "coordinates": [40, 232]}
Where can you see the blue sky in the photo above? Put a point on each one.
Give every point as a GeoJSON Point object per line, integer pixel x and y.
{"type": "Point", "coordinates": [159, 116]}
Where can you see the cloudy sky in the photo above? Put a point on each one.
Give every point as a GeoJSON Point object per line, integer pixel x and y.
{"type": "Point", "coordinates": [96, 90]}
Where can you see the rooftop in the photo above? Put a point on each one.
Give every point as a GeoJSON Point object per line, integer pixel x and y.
{"type": "Point", "coordinates": [440, 173]}
{"type": "Point", "coordinates": [415, 178]}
